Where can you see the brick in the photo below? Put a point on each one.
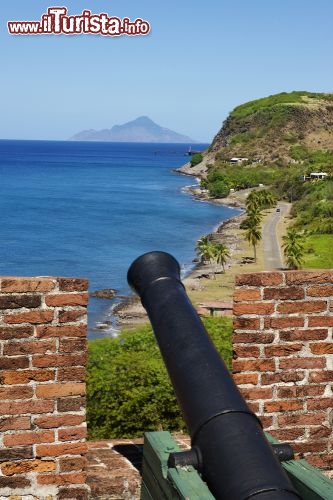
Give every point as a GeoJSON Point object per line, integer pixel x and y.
{"type": "Point", "coordinates": [256, 393]}
{"type": "Point", "coordinates": [14, 423]}
{"type": "Point", "coordinates": [324, 462]}
{"type": "Point", "coordinates": [246, 323]}
{"type": "Point", "coordinates": [266, 421]}
{"type": "Point", "coordinates": [290, 293]}
{"type": "Point", "coordinates": [55, 421]}
{"type": "Point", "coordinates": [10, 468]}
{"type": "Point", "coordinates": [26, 376]}
{"type": "Point", "coordinates": [60, 390]}
{"type": "Point", "coordinates": [306, 391]}
{"type": "Point", "coordinates": [20, 453]}
{"type": "Point", "coordinates": [320, 291]}
{"type": "Point", "coordinates": [16, 332]}
{"type": "Point", "coordinates": [313, 306]}
{"type": "Point", "coordinates": [288, 322]}
{"type": "Point", "coordinates": [65, 478]}
{"type": "Point", "coordinates": [33, 317]}
{"type": "Point", "coordinates": [16, 363]}
{"type": "Point", "coordinates": [320, 432]}
{"type": "Point", "coordinates": [254, 407]}
{"type": "Point", "coordinates": [246, 378]}
{"type": "Point", "coordinates": [322, 376]}
{"type": "Point", "coordinates": [301, 419]}
{"type": "Point", "coordinates": [58, 450]}
{"type": "Point", "coordinates": [73, 345]}
{"type": "Point", "coordinates": [18, 301]}
{"type": "Point", "coordinates": [31, 437]}
{"type": "Point", "coordinates": [309, 447]}
{"type": "Point", "coordinates": [14, 482]}
{"type": "Point", "coordinates": [71, 404]}
{"type": "Point", "coordinates": [252, 338]}
{"type": "Point", "coordinates": [69, 299]}
{"type": "Point", "coordinates": [292, 335]}
{"type": "Point", "coordinates": [322, 348]}
{"type": "Point", "coordinates": [62, 331]}
{"type": "Point", "coordinates": [285, 364]}
{"type": "Point", "coordinates": [73, 493]}
{"type": "Point", "coordinates": [59, 360]}
{"type": "Point", "coordinates": [70, 316]}
{"type": "Point", "coordinates": [282, 350]}
{"type": "Point", "coordinates": [72, 434]}
{"type": "Point", "coordinates": [17, 392]}
{"type": "Point", "coordinates": [72, 464]}
{"type": "Point", "coordinates": [73, 284]}
{"type": "Point", "coordinates": [258, 308]}
{"type": "Point", "coordinates": [10, 285]}
{"type": "Point", "coordinates": [302, 277]}
{"type": "Point", "coordinates": [246, 351]}
{"type": "Point", "coordinates": [278, 406]}
{"type": "Point", "coordinates": [22, 407]}
{"type": "Point", "coordinates": [259, 279]}
{"type": "Point", "coordinates": [72, 374]}
{"type": "Point", "coordinates": [29, 347]}
{"type": "Point", "coordinates": [319, 403]}
{"type": "Point", "coordinates": [246, 294]}
{"type": "Point", "coordinates": [288, 434]}
{"type": "Point", "coordinates": [273, 378]}
{"type": "Point", "coordinates": [321, 321]}
{"type": "Point", "coordinates": [263, 365]}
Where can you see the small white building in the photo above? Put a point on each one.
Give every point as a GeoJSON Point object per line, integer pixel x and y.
{"type": "Point", "coordinates": [236, 160]}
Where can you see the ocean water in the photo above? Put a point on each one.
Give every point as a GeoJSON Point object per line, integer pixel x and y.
{"type": "Point", "coordinates": [83, 209]}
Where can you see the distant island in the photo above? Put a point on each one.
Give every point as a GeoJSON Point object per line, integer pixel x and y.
{"type": "Point", "coordinates": [142, 129]}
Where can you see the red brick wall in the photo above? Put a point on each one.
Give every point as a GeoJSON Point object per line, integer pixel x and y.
{"type": "Point", "coordinates": [42, 374]}
{"type": "Point", "coordinates": [283, 356]}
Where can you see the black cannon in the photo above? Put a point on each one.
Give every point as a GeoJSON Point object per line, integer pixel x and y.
{"type": "Point", "coordinates": [229, 447]}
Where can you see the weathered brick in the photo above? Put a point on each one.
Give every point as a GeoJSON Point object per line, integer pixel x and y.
{"type": "Point", "coordinates": [266, 421]}
{"type": "Point", "coordinates": [51, 360]}
{"type": "Point", "coordinates": [320, 290]}
{"type": "Point", "coordinates": [14, 423]}
{"type": "Point", "coordinates": [33, 317]}
{"type": "Point", "coordinates": [71, 493]}
{"type": "Point", "coordinates": [76, 403]}
{"type": "Point", "coordinates": [263, 365]}
{"type": "Point", "coordinates": [29, 347]}
{"type": "Point", "coordinates": [321, 376]}
{"type": "Point", "coordinates": [322, 348]}
{"type": "Point", "coordinates": [285, 364]}
{"type": "Point", "coordinates": [246, 294]}
{"type": "Point", "coordinates": [306, 391]}
{"type": "Point", "coordinates": [58, 450]}
{"type": "Point", "coordinates": [70, 464]}
{"type": "Point", "coordinates": [14, 482]}
{"type": "Point", "coordinates": [29, 437]}
{"type": "Point", "coordinates": [302, 277]}
{"type": "Point", "coordinates": [324, 461]}
{"type": "Point", "coordinates": [312, 306]}
{"type": "Point", "coordinates": [288, 434]}
{"type": "Point", "coordinates": [72, 315]}
{"type": "Point", "coordinates": [73, 284]}
{"type": "Point", "coordinates": [17, 392]}
{"type": "Point", "coordinates": [282, 350]}
{"type": "Point", "coordinates": [73, 345]}
{"type": "Point", "coordinates": [309, 447]}
{"type": "Point", "coordinates": [319, 403]}
{"type": "Point", "coordinates": [20, 453]}
{"type": "Point", "coordinates": [55, 421]}
{"type": "Point", "coordinates": [257, 393]}
{"type": "Point", "coordinates": [246, 323]}
{"type": "Point", "coordinates": [320, 432]}
{"type": "Point", "coordinates": [301, 419]}
{"type": "Point", "coordinates": [252, 338]}
{"type": "Point", "coordinates": [10, 285]}
{"type": "Point", "coordinates": [15, 363]}
{"type": "Point", "coordinates": [69, 299]}
{"type": "Point", "coordinates": [72, 434]}
{"type": "Point", "coordinates": [22, 407]}
{"type": "Point", "coordinates": [16, 332]}
{"type": "Point", "coordinates": [26, 376]}
{"type": "Point", "coordinates": [259, 279]}
{"type": "Point", "coordinates": [62, 331]}
{"type": "Point", "coordinates": [64, 478]}
{"type": "Point", "coordinates": [321, 321]}
{"type": "Point", "coordinates": [278, 406]}
{"type": "Point", "coordinates": [18, 301]}
{"type": "Point", "coordinates": [72, 374]}
{"type": "Point", "coordinates": [290, 293]}
{"type": "Point", "coordinates": [291, 376]}
{"type": "Point", "coordinates": [246, 378]}
{"type": "Point", "coordinates": [246, 351]}
{"type": "Point", "coordinates": [24, 467]}
{"type": "Point", "coordinates": [60, 390]}
{"type": "Point", "coordinates": [258, 308]}
{"type": "Point", "coordinates": [288, 322]}
{"type": "Point", "coordinates": [292, 335]}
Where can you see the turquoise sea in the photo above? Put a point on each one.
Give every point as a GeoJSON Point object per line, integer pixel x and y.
{"type": "Point", "coordinates": [85, 209]}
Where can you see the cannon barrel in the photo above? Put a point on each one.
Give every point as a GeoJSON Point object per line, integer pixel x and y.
{"type": "Point", "coordinates": [237, 462]}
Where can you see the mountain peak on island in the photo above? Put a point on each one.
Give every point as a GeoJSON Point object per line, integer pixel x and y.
{"type": "Point", "coordinates": [142, 129]}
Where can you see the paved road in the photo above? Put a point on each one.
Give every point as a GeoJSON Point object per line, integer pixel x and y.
{"type": "Point", "coordinates": [272, 252]}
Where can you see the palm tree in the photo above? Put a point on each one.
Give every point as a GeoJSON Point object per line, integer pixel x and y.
{"type": "Point", "coordinates": [293, 249]}
{"type": "Point", "coordinates": [205, 248]}
{"type": "Point", "coordinates": [253, 235]}
{"type": "Point", "coordinates": [221, 254]}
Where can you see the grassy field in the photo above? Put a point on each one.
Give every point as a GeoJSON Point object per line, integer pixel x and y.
{"type": "Point", "coordinates": [319, 253]}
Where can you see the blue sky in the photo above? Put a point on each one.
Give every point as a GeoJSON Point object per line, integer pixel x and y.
{"type": "Point", "coordinates": [200, 60]}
